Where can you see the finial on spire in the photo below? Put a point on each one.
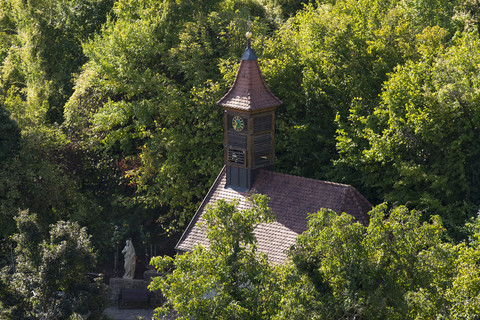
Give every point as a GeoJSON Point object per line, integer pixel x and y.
{"type": "Point", "coordinates": [249, 33]}
{"type": "Point", "coordinates": [249, 54]}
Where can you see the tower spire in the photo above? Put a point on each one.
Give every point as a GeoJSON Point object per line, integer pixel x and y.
{"type": "Point", "coordinates": [249, 91]}
{"type": "Point", "coordinates": [249, 122]}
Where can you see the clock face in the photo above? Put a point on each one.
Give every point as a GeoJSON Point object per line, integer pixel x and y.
{"type": "Point", "coordinates": [237, 123]}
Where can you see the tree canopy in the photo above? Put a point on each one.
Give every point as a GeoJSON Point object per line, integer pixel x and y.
{"type": "Point", "coordinates": [108, 114]}
{"type": "Point", "coordinates": [419, 145]}
{"type": "Point", "coordinates": [49, 277]}
{"type": "Point", "coordinates": [398, 267]}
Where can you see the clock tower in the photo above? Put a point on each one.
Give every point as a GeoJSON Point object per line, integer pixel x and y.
{"type": "Point", "coordinates": [249, 123]}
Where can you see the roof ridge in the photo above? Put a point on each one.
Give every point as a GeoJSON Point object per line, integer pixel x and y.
{"type": "Point", "coordinates": [307, 178]}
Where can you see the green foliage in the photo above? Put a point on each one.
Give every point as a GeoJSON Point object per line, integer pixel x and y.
{"type": "Point", "coordinates": [46, 48]}
{"type": "Point", "coordinates": [49, 279]}
{"type": "Point", "coordinates": [40, 49]}
{"type": "Point", "coordinates": [282, 9]}
{"type": "Point", "coordinates": [30, 180]}
{"type": "Point", "coordinates": [148, 94]}
{"type": "Point", "coordinates": [36, 176]}
{"type": "Point", "coordinates": [419, 145]}
{"type": "Point", "coordinates": [229, 279]}
{"type": "Point", "coordinates": [396, 268]}
{"type": "Point", "coordinates": [9, 136]}
{"type": "Point", "coordinates": [139, 140]}
{"type": "Point", "coordinates": [330, 55]}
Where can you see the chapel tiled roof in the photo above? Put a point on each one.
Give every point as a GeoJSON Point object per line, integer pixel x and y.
{"type": "Point", "coordinates": [249, 91]}
{"type": "Point", "coordinates": [291, 199]}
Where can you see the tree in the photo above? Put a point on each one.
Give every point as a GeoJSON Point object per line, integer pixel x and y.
{"type": "Point", "coordinates": [40, 49]}
{"type": "Point", "coordinates": [49, 279]}
{"type": "Point", "coordinates": [147, 96]}
{"type": "Point", "coordinates": [398, 267]}
{"type": "Point", "coordinates": [418, 146]}
{"type": "Point", "coordinates": [343, 270]}
{"type": "Point", "coordinates": [46, 49]}
{"type": "Point", "coordinates": [328, 57]}
{"type": "Point", "coordinates": [227, 280]}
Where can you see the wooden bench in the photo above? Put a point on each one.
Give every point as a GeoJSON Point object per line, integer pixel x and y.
{"type": "Point", "coordinates": [134, 298]}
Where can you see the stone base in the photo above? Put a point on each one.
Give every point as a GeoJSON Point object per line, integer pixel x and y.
{"type": "Point", "coordinates": [117, 284]}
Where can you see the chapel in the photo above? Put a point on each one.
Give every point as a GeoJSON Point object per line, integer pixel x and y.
{"type": "Point", "coordinates": [249, 154]}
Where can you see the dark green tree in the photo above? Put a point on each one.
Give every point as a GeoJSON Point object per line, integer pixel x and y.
{"type": "Point", "coordinates": [49, 278]}
{"type": "Point", "coordinates": [40, 49]}
{"type": "Point", "coordinates": [9, 136]}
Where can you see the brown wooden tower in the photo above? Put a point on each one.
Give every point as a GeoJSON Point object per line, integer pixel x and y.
{"type": "Point", "coordinates": [249, 124]}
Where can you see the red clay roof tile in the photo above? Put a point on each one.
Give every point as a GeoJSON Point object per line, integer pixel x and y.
{"type": "Point", "coordinates": [291, 199]}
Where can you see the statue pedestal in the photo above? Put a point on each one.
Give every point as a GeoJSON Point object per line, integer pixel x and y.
{"type": "Point", "coordinates": [117, 284]}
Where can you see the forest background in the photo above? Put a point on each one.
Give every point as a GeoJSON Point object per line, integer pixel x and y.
{"type": "Point", "coordinates": [108, 116]}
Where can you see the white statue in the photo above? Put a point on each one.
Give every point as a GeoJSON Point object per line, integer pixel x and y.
{"type": "Point", "coordinates": [129, 253]}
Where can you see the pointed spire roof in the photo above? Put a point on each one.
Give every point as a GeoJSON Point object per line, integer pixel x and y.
{"type": "Point", "coordinates": [249, 91]}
